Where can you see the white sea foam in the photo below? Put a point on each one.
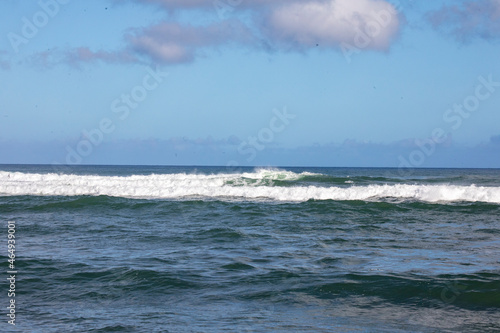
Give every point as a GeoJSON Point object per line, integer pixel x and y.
{"type": "Point", "coordinates": [230, 186]}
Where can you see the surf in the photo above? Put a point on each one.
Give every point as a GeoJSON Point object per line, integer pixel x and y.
{"type": "Point", "coordinates": [261, 184]}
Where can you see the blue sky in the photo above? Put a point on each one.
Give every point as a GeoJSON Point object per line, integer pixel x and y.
{"type": "Point", "coordinates": [251, 82]}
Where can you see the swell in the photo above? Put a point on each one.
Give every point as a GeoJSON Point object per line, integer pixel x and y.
{"type": "Point", "coordinates": [474, 291]}
{"type": "Point", "coordinates": [42, 277]}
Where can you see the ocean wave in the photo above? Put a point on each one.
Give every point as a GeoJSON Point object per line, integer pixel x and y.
{"type": "Point", "coordinates": [270, 184]}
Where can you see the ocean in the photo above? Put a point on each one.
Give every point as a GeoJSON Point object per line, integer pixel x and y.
{"type": "Point", "coordinates": [212, 249]}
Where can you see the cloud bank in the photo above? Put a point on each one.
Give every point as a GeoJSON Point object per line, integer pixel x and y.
{"type": "Point", "coordinates": [209, 151]}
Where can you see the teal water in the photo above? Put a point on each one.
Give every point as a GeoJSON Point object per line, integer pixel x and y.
{"type": "Point", "coordinates": [184, 249]}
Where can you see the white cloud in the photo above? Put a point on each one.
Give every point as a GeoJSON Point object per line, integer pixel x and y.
{"type": "Point", "coordinates": [290, 25]}
{"type": "Point", "coordinates": [171, 42]}
{"type": "Point", "coordinates": [331, 23]}
{"type": "Point", "coordinates": [166, 52]}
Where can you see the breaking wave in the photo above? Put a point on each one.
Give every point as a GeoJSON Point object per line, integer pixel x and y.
{"type": "Point", "coordinates": [262, 184]}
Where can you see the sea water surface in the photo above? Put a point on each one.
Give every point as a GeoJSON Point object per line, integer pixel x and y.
{"type": "Point", "coordinates": [207, 249]}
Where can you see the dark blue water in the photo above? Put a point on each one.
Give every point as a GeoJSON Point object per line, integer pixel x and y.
{"type": "Point", "coordinates": [184, 249]}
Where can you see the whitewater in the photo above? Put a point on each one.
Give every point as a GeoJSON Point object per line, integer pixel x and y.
{"type": "Point", "coordinates": [259, 184]}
